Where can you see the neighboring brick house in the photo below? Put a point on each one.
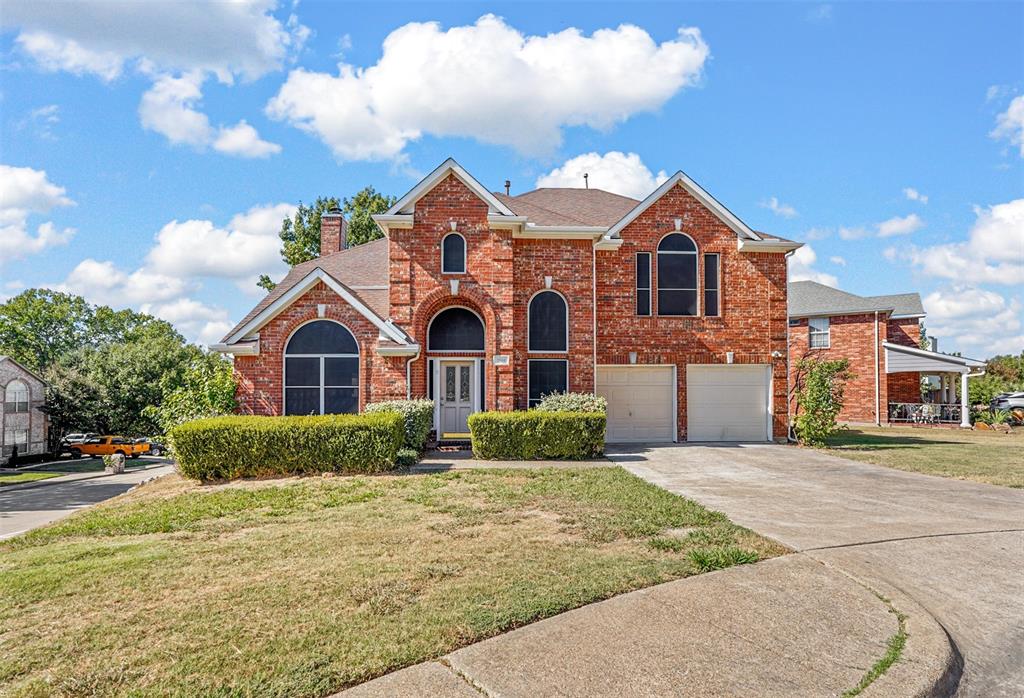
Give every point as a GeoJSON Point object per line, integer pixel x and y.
{"type": "Point", "coordinates": [22, 422]}
{"type": "Point", "coordinates": [881, 337]}
{"type": "Point", "coordinates": [671, 307]}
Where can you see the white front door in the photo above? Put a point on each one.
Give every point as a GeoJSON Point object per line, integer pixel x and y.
{"type": "Point", "coordinates": [455, 395]}
{"type": "Point", "coordinates": [728, 402]}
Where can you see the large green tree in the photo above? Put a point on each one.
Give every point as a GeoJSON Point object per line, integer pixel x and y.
{"type": "Point", "coordinates": [206, 389]}
{"type": "Point", "coordinates": [300, 235]}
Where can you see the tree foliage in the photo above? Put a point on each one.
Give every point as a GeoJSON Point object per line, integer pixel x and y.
{"type": "Point", "coordinates": [359, 211]}
{"type": "Point", "coordinates": [1003, 374]}
{"type": "Point", "coordinates": [820, 386]}
{"type": "Point", "coordinates": [206, 389]}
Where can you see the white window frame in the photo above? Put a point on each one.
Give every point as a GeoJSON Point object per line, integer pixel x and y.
{"type": "Point", "coordinates": [456, 352]}
{"type": "Point", "coordinates": [465, 251]}
{"type": "Point", "coordinates": [813, 332]}
{"type": "Point", "coordinates": [284, 367]}
{"type": "Point", "coordinates": [529, 304]}
{"type": "Point", "coordinates": [696, 260]}
{"type": "Point", "coordinates": [530, 361]}
{"type": "Point", "coordinates": [638, 287]}
{"type": "Point", "coordinates": [718, 268]}
{"type": "Point", "coordinates": [11, 396]}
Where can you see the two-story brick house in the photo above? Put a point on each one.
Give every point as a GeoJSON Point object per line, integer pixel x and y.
{"type": "Point", "coordinates": [671, 307]}
{"type": "Point", "coordinates": [23, 425]}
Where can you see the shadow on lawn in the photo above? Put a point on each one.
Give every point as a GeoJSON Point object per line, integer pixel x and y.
{"type": "Point", "coordinates": [879, 442]}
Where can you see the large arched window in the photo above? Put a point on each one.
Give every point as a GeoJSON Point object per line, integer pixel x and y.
{"type": "Point", "coordinates": [321, 370]}
{"type": "Point", "coordinates": [456, 329]}
{"type": "Point", "coordinates": [677, 275]}
{"type": "Point", "coordinates": [16, 397]}
{"type": "Point", "coordinates": [453, 254]}
{"type": "Point", "coordinates": [548, 323]}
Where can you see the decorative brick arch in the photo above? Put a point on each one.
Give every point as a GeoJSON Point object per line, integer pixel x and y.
{"type": "Point", "coordinates": [441, 298]}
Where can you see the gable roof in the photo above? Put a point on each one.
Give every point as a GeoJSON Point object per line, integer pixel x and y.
{"type": "Point", "coordinates": [24, 369]}
{"type": "Point", "coordinates": [807, 298]}
{"type": "Point", "coordinates": [570, 206]}
{"type": "Point", "coordinates": [406, 203]}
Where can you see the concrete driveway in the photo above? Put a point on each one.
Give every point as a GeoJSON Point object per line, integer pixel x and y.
{"type": "Point", "coordinates": [955, 547]}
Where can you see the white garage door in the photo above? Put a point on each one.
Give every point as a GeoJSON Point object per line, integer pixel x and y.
{"type": "Point", "coordinates": [641, 402]}
{"type": "Point", "coordinates": [727, 402]}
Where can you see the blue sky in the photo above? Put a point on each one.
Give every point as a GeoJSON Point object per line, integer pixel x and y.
{"type": "Point", "coordinates": [150, 150]}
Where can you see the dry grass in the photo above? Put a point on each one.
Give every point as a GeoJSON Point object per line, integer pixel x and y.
{"type": "Point", "coordinates": [981, 456]}
{"type": "Point", "coordinates": [304, 587]}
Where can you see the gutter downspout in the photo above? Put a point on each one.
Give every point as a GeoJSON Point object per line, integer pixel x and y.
{"type": "Point", "coordinates": [593, 297]}
{"type": "Point", "coordinates": [408, 375]}
{"type": "Point", "coordinates": [965, 417]}
{"type": "Point", "coordinates": [878, 419]}
{"type": "Point", "coordinates": [789, 417]}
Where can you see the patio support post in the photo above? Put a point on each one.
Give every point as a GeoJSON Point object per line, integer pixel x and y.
{"type": "Point", "coordinates": [965, 417]}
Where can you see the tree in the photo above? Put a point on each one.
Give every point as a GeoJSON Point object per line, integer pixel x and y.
{"type": "Point", "coordinates": [820, 386]}
{"type": "Point", "coordinates": [206, 389]}
{"type": "Point", "coordinates": [360, 209]}
{"type": "Point", "coordinates": [39, 325]}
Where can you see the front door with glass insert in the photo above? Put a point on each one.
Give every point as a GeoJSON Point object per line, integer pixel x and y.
{"type": "Point", "coordinates": [456, 397]}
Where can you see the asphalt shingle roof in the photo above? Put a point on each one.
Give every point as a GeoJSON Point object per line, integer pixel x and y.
{"type": "Point", "coordinates": [808, 298]}
{"type": "Point", "coordinates": [568, 206]}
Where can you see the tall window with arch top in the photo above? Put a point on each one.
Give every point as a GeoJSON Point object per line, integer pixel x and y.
{"type": "Point", "coordinates": [321, 370]}
{"type": "Point", "coordinates": [677, 275]}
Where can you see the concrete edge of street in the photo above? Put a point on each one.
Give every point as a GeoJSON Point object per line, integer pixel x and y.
{"type": "Point", "coordinates": [75, 477]}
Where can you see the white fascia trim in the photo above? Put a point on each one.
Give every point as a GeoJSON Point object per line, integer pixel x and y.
{"type": "Point", "coordinates": [401, 350]}
{"type": "Point", "coordinates": [695, 190]}
{"type": "Point", "coordinates": [287, 298]}
{"type": "Point", "coordinates": [407, 202]}
{"type": "Point", "coordinates": [908, 317]}
{"type": "Point", "coordinates": [561, 232]}
{"type": "Point", "coordinates": [237, 349]}
{"type": "Point", "coordinates": [497, 220]}
{"type": "Point", "coordinates": [914, 351]}
{"type": "Point", "coordinates": [386, 221]}
{"type": "Point", "coordinates": [607, 243]}
{"type": "Point", "coordinates": [839, 313]}
{"type": "Point", "coordinates": [779, 246]}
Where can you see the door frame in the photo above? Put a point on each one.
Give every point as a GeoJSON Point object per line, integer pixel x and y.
{"type": "Point", "coordinates": [478, 364]}
{"type": "Point", "coordinates": [675, 390]}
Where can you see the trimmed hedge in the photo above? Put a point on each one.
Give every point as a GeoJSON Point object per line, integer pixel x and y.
{"type": "Point", "coordinates": [537, 435]}
{"type": "Point", "coordinates": [418, 416]}
{"type": "Point", "coordinates": [224, 448]}
{"type": "Point", "coordinates": [572, 402]}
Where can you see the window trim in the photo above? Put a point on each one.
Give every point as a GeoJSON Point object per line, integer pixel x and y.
{"type": "Point", "coordinates": [464, 254]}
{"type": "Point", "coordinates": [827, 332]}
{"type": "Point", "coordinates": [456, 351]}
{"type": "Point", "coordinates": [697, 276]}
{"type": "Point", "coordinates": [637, 288]}
{"type": "Point", "coordinates": [704, 278]}
{"type": "Point", "coordinates": [284, 367]}
{"type": "Point", "coordinates": [530, 361]}
{"type": "Point", "coordinates": [24, 389]}
{"type": "Point", "coordinates": [529, 303]}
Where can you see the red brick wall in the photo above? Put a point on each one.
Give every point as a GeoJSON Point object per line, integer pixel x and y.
{"type": "Point", "coordinates": [260, 378]}
{"type": "Point", "coordinates": [906, 332]}
{"type": "Point", "coordinates": [852, 337]}
{"type": "Point", "coordinates": [904, 387]}
{"type": "Point", "coordinates": [753, 303]}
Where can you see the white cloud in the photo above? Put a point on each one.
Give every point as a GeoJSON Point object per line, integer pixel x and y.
{"type": "Point", "coordinates": [490, 82]}
{"type": "Point", "coordinates": [900, 226]}
{"type": "Point", "coordinates": [107, 283]}
{"type": "Point", "coordinates": [1010, 124]}
{"type": "Point", "coordinates": [243, 140]}
{"type": "Point", "coordinates": [838, 261]}
{"type": "Point", "coordinates": [197, 321]}
{"type": "Point", "coordinates": [816, 234]}
{"type": "Point", "coordinates": [993, 252]}
{"type": "Point", "coordinates": [54, 53]}
{"type": "Point", "coordinates": [856, 233]}
{"type": "Point", "coordinates": [779, 209]}
{"type": "Point", "coordinates": [914, 195]}
{"type": "Point", "coordinates": [976, 321]}
{"type": "Point", "coordinates": [801, 268]}
{"type": "Point", "coordinates": [621, 173]}
{"type": "Point", "coordinates": [25, 191]}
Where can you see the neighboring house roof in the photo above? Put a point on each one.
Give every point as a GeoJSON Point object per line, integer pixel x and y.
{"type": "Point", "coordinates": [570, 206]}
{"type": "Point", "coordinates": [363, 269]}
{"type": "Point", "coordinates": [900, 358]}
{"type": "Point", "coordinates": [807, 298]}
{"type": "Point", "coordinates": [23, 368]}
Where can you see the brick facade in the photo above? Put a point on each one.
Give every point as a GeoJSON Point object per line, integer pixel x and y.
{"type": "Point", "coordinates": [33, 421]}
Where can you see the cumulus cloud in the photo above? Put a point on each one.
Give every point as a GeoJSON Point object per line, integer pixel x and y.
{"type": "Point", "coordinates": [801, 268]}
{"type": "Point", "coordinates": [491, 82]}
{"type": "Point", "coordinates": [1010, 124]}
{"type": "Point", "coordinates": [243, 140]}
{"type": "Point", "coordinates": [23, 192]}
{"type": "Point", "coordinates": [779, 209]}
{"type": "Point", "coordinates": [838, 261]}
{"type": "Point", "coordinates": [853, 233]}
{"type": "Point", "coordinates": [200, 322]}
{"type": "Point", "coordinates": [993, 252]}
{"type": "Point", "coordinates": [976, 321]}
{"type": "Point", "coordinates": [108, 283]}
{"type": "Point", "coordinates": [900, 226]}
{"type": "Point", "coordinates": [914, 195]}
{"type": "Point", "coordinates": [621, 173]}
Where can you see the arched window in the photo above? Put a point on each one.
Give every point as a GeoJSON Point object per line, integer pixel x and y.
{"type": "Point", "coordinates": [16, 397]}
{"type": "Point", "coordinates": [321, 370]}
{"type": "Point", "coordinates": [548, 323]}
{"type": "Point", "coordinates": [677, 275]}
{"type": "Point", "coordinates": [453, 254]}
{"type": "Point", "coordinates": [456, 329]}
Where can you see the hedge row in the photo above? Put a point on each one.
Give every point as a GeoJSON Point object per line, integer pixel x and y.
{"type": "Point", "coordinates": [537, 435]}
{"type": "Point", "coordinates": [222, 448]}
{"type": "Point", "coordinates": [418, 416]}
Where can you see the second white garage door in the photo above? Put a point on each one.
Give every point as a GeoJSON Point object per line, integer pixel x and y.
{"type": "Point", "coordinates": [727, 402]}
{"type": "Point", "coordinates": [641, 402]}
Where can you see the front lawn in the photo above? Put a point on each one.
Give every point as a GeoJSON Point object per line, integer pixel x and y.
{"type": "Point", "coordinates": [25, 476]}
{"type": "Point", "coordinates": [302, 587]}
{"type": "Point", "coordinates": [963, 454]}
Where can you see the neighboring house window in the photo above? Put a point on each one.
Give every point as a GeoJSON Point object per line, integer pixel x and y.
{"type": "Point", "coordinates": [548, 323]}
{"type": "Point", "coordinates": [453, 254]}
{"type": "Point", "coordinates": [712, 285]}
{"type": "Point", "coordinates": [546, 376]}
{"type": "Point", "coordinates": [677, 275]}
{"type": "Point", "coordinates": [794, 322]}
{"type": "Point", "coordinates": [643, 283]}
{"type": "Point", "coordinates": [456, 329]}
{"type": "Point", "coordinates": [16, 397]}
{"type": "Point", "coordinates": [819, 329]}
{"type": "Point", "coordinates": [321, 370]}
{"type": "Point", "coordinates": [15, 437]}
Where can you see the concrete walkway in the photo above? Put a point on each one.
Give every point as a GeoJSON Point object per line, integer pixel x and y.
{"type": "Point", "coordinates": [30, 505]}
{"type": "Point", "coordinates": [955, 547]}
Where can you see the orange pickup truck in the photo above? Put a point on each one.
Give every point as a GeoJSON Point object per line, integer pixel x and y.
{"type": "Point", "coordinates": [108, 446]}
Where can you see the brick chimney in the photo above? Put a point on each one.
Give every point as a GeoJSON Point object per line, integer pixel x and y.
{"type": "Point", "coordinates": [333, 232]}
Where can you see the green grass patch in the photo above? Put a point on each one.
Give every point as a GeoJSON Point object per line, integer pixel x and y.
{"type": "Point", "coordinates": [307, 586]}
{"type": "Point", "coordinates": [893, 651]}
{"type": "Point", "coordinates": [26, 476]}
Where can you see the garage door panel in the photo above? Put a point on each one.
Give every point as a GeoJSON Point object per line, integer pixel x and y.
{"type": "Point", "coordinates": [727, 402]}
{"type": "Point", "coordinates": [641, 402]}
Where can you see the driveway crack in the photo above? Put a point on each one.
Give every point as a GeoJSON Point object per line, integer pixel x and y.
{"type": "Point", "coordinates": [919, 537]}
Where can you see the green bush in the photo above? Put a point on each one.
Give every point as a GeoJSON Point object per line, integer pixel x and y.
{"type": "Point", "coordinates": [418, 416]}
{"type": "Point", "coordinates": [223, 448]}
{"type": "Point", "coordinates": [819, 385]}
{"type": "Point", "coordinates": [537, 435]}
{"type": "Point", "coordinates": [407, 457]}
{"type": "Point", "coordinates": [573, 402]}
